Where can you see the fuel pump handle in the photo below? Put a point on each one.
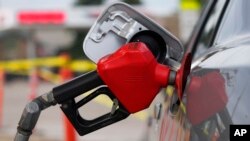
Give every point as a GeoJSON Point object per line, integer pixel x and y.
{"type": "Point", "coordinates": [132, 77]}
{"type": "Point", "coordinates": [77, 86]}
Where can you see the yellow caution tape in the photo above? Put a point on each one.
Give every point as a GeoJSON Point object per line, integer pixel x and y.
{"type": "Point", "coordinates": [82, 66]}
{"type": "Point", "coordinates": [26, 65]}
{"type": "Point", "coordinates": [190, 5]}
{"type": "Point", "coordinates": [19, 65]}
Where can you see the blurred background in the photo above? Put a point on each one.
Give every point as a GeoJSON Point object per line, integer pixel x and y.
{"type": "Point", "coordinates": [41, 47]}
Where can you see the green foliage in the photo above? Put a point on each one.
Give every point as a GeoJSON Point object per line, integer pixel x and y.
{"type": "Point", "coordinates": [75, 50]}
{"type": "Point", "coordinates": [89, 2]}
{"type": "Point", "coordinates": [132, 1]}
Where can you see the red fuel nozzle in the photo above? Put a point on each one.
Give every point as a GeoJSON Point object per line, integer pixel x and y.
{"type": "Point", "coordinates": [133, 75]}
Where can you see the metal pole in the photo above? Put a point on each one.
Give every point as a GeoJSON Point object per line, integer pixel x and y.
{"type": "Point", "coordinates": [1, 95]}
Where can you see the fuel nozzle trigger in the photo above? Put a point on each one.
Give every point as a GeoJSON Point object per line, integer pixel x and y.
{"type": "Point", "coordinates": [83, 126]}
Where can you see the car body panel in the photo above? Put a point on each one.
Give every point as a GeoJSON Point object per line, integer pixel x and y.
{"type": "Point", "coordinates": [217, 92]}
